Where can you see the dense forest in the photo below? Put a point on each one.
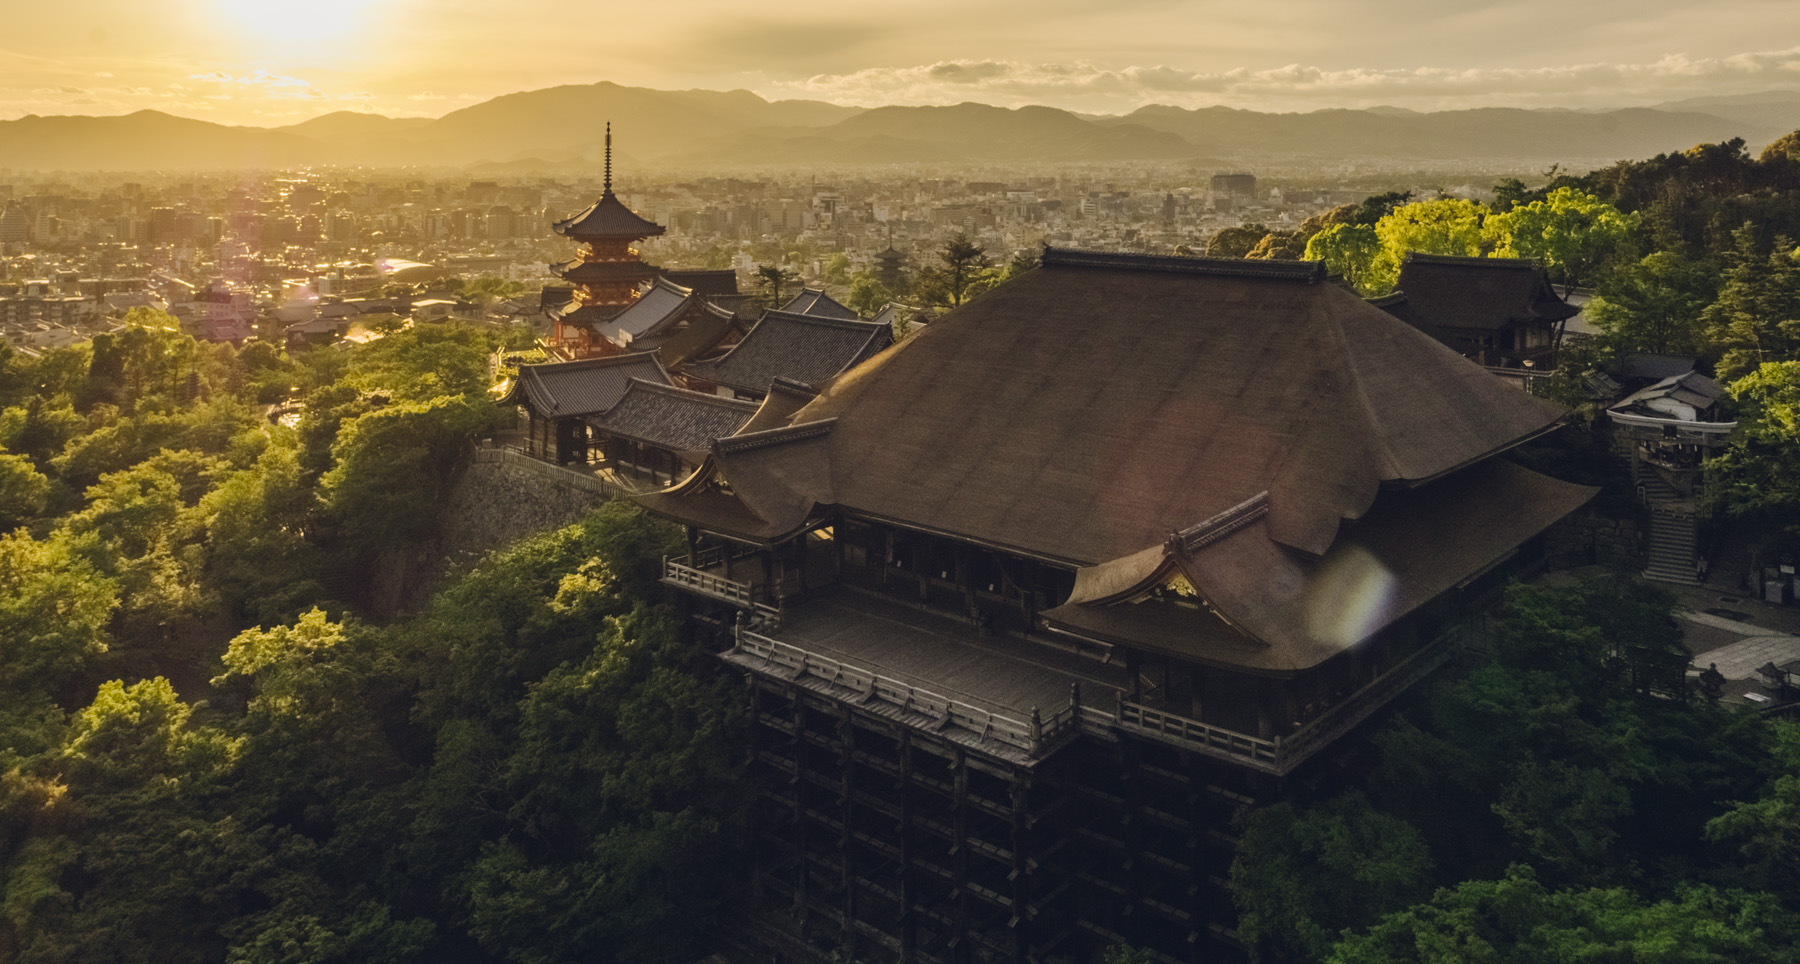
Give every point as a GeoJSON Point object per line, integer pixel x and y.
{"type": "Point", "coordinates": [216, 746]}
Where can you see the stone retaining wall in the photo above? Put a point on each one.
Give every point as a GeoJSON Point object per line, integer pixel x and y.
{"type": "Point", "coordinates": [1589, 537]}
{"type": "Point", "coordinates": [505, 495]}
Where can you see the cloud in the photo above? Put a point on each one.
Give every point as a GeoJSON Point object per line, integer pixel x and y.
{"type": "Point", "coordinates": [1088, 86]}
{"type": "Point", "coordinates": [274, 86]}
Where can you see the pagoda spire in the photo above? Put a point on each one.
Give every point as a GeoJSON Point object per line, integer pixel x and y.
{"type": "Point", "coordinates": [608, 188]}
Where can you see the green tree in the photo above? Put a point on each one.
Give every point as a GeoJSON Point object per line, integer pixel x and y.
{"type": "Point", "coordinates": [963, 269]}
{"type": "Point", "coordinates": [1765, 831]}
{"type": "Point", "coordinates": [1447, 226]}
{"type": "Point", "coordinates": [837, 269]}
{"type": "Point", "coordinates": [393, 466]}
{"type": "Point", "coordinates": [773, 278]}
{"type": "Point", "coordinates": [1515, 920]}
{"type": "Point", "coordinates": [868, 295]}
{"type": "Point", "coordinates": [1236, 242]}
{"type": "Point", "coordinates": [1348, 250]}
{"type": "Point", "coordinates": [1572, 232]}
{"type": "Point", "coordinates": [1304, 874]}
{"type": "Point", "coordinates": [1756, 318]}
{"type": "Point", "coordinates": [1785, 148]}
{"type": "Point", "coordinates": [54, 610]}
{"type": "Point", "coordinates": [23, 491]}
{"type": "Point", "coordinates": [1756, 480]}
{"type": "Point", "coordinates": [1655, 305]}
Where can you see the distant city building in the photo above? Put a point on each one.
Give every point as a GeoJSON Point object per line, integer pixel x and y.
{"type": "Point", "coordinates": [1241, 186]}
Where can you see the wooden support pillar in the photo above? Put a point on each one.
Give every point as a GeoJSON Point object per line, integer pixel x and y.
{"type": "Point", "coordinates": [759, 866]}
{"type": "Point", "coordinates": [846, 840]}
{"type": "Point", "coordinates": [693, 538]}
{"type": "Point", "coordinates": [1021, 871]}
{"type": "Point", "coordinates": [959, 860]}
{"type": "Point", "coordinates": [799, 801]}
{"type": "Point", "coordinates": [768, 568]}
{"type": "Point", "coordinates": [1130, 829]}
{"type": "Point", "coordinates": [909, 922]}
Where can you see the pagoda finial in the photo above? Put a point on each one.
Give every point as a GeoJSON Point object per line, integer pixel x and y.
{"type": "Point", "coordinates": [608, 157]}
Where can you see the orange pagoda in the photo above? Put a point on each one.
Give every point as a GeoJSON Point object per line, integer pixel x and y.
{"type": "Point", "coordinates": [606, 273]}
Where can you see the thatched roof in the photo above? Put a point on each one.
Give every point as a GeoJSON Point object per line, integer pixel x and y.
{"type": "Point", "coordinates": [1087, 410]}
{"type": "Point", "coordinates": [1082, 413]}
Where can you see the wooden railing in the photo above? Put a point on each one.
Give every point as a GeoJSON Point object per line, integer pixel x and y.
{"type": "Point", "coordinates": [741, 594]}
{"type": "Point", "coordinates": [1200, 735]}
{"type": "Point", "coordinates": [1338, 720]}
{"type": "Point", "coordinates": [1039, 734]}
{"type": "Point", "coordinates": [1282, 753]}
{"type": "Point", "coordinates": [1033, 735]}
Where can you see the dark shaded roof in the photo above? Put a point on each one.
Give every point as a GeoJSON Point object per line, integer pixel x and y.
{"type": "Point", "coordinates": [785, 475]}
{"type": "Point", "coordinates": [706, 281]}
{"type": "Point", "coordinates": [1088, 408]}
{"type": "Point", "coordinates": [581, 271]}
{"type": "Point", "coordinates": [785, 397]}
{"type": "Point", "coordinates": [574, 312]}
{"type": "Point", "coordinates": [1279, 612]}
{"type": "Point", "coordinates": [672, 418]}
{"type": "Point", "coordinates": [658, 306]}
{"type": "Point", "coordinates": [583, 387]}
{"type": "Point", "coordinates": [1483, 293]}
{"type": "Point", "coordinates": [607, 219]}
{"type": "Point", "coordinates": [704, 330]}
{"type": "Point", "coordinates": [555, 296]}
{"type": "Point", "coordinates": [1306, 271]}
{"type": "Point", "coordinates": [815, 302]}
{"type": "Point", "coordinates": [805, 348]}
{"type": "Point", "coordinates": [1643, 364]}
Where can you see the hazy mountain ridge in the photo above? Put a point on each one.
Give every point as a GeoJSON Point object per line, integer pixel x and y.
{"type": "Point", "coordinates": [565, 126]}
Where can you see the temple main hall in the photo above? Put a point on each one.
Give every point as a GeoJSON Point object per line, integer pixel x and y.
{"type": "Point", "coordinates": [1031, 603]}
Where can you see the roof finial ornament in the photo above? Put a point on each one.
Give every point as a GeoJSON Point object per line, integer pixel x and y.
{"type": "Point", "coordinates": [608, 189]}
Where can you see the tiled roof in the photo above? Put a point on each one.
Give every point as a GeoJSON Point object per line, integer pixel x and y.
{"type": "Point", "coordinates": [660, 304]}
{"type": "Point", "coordinates": [1482, 293]}
{"type": "Point", "coordinates": [672, 418]}
{"type": "Point", "coordinates": [607, 218]}
{"type": "Point", "coordinates": [584, 387]}
{"type": "Point", "coordinates": [805, 348]}
{"type": "Point", "coordinates": [815, 302]}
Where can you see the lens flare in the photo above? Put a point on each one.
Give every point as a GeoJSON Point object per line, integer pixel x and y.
{"type": "Point", "coordinates": [1350, 597]}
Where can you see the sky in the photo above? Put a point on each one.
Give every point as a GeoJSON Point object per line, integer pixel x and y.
{"type": "Point", "coordinates": [274, 62]}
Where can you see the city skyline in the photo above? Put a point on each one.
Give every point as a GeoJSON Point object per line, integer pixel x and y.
{"type": "Point", "coordinates": [273, 62]}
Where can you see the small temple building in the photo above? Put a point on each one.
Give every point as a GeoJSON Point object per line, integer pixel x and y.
{"type": "Point", "coordinates": [1032, 603]}
{"type": "Point", "coordinates": [1498, 312]}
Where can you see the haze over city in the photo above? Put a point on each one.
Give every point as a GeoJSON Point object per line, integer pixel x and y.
{"type": "Point", "coordinates": [272, 62]}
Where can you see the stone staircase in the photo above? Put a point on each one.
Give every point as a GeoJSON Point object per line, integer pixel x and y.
{"type": "Point", "coordinates": [1674, 533]}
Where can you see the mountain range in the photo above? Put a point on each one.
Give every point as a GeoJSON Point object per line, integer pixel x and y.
{"type": "Point", "coordinates": [563, 127]}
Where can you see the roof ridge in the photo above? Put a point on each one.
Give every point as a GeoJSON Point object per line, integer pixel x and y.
{"type": "Point", "coordinates": [604, 361]}
{"type": "Point", "coordinates": [1477, 261]}
{"type": "Point", "coordinates": [775, 436]}
{"type": "Point", "coordinates": [1202, 534]}
{"type": "Point", "coordinates": [688, 393]}
{"type": "Point", "coordinates": [852, 324]}
{"type": "Point", "coordinates": [1307, 272]}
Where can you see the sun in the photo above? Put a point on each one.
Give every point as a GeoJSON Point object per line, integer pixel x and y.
{"type": "Point", "coordinates": [296, 21]}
